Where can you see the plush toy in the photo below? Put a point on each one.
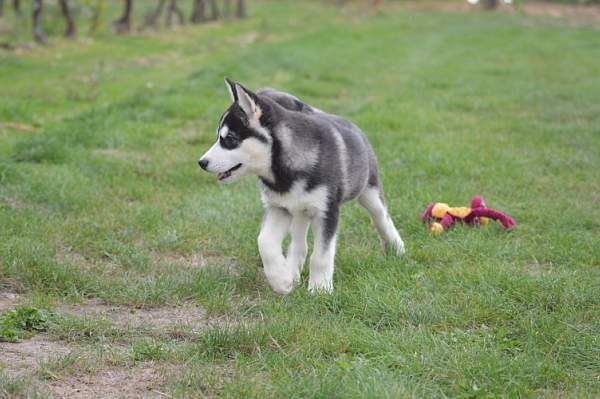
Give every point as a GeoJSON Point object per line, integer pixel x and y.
{"type": "Point", "coordinates": [441, 216]}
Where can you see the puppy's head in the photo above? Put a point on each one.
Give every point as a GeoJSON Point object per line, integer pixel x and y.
{"type": "Point", "coordinates": [243, 139]}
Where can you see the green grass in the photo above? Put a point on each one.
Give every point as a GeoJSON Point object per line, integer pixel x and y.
{"type": "Point", "coordinates": [100, 202]}
{"type": "Point", "coordinates": [23, 322]}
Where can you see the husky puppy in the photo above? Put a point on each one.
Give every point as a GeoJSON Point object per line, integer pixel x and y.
{"type": "Point", "coordinates": [308, 164]}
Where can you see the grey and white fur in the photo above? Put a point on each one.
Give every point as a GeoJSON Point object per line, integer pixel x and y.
{"type": "Point", "coordinates": [308, 163]}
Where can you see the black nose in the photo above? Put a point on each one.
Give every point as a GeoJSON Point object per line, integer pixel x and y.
{"type": "Point", "coordinates": [203, 163]}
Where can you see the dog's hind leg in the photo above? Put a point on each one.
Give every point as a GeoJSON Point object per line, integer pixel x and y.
{"type": "Point", "coordinates": [324, 229]}
{"type": "Point", "coordinates": [275, 226]}
{"type": "Point", "coordinates": [297, 250]}
{"type": "Point", "coordinates": [372, 200]}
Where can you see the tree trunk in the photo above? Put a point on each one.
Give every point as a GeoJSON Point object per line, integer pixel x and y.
{"type": "Point", "coordinates": [490, 4]}
{"type": "Point", "coordinates": [241, 12]}
{"type": "Point", "coordinates": [199, 12]}
{"type": "Point", "coordinates": [226, 8]}
{"type": "Point", "coordinates": [38, 34]}
{"type": "Point", "coordinates": [174, 9]}
{"type": "Point", "coordinates": [214, 10]}
{"type": "Point", "coordinates": [123, 24]}
{"type": "Point", "coordinates": [151, 19]}
{"type": "Point", "coordinates": [17, 6]}
{"type": "Point", "coordinates": [97, 15]}
{"type": "Point", "coordinates": [70, 23]}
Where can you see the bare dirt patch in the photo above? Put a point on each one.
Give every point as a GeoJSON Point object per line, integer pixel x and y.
{"type": "Point", "coordinates": [105, 379]}
{"type": "Point", "coordinates": [12, 202]}
{"type": "Point", "coordinates": [572, 11]}
{"type": "Point", "coordinates": [8, 300]}
{"type": "Point", "coordinates": [167, 319]}
{"type": "Point", "coordinates": [66, 255]}
{"type": "Point", "coordinates": [19, 127]}
{"type": "Point", "coordinates": [21, 358]}
{"type": "Point", "coordinates": [577, 12]}
{"type": "Point", "coordinates": [142, 381]}
{"type": "Point", "coordinates": [186, 261]}
{"type": "Point", "coordinates": [535, 269]}
{"type": "Point", "coordinates": [196, 260]}
{"type": "Point", "coordinates": [446, 6]}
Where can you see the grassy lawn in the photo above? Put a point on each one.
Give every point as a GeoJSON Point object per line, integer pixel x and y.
{"type": "Point", "coordinates": [150, 270]}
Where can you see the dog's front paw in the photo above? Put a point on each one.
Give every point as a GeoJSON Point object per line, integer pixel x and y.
{"type": "Point", "coordinates": [320, 284]}
{"type": "Point", "coordinates": [396, 247]}
{"type": "Point", "coordinates": [281, 283]}
{"type": "Point", "coordinates": [297, 277]}
{"type": "Point", "coordinates": [282, 287]}
{"type": "Point", "coordinates": [295, 269]}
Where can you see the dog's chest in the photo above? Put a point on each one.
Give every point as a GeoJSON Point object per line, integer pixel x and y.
{"type": "Point", "coordinates": [297, 199]}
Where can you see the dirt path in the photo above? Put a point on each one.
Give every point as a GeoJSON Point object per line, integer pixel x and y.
{"type": "Point", "coordinates": [8, 300]}
{"type": "Point", "coordinates": [105, 379]}
{"type": "Point", "coordinates": [21, 358]}
{"type": "Point", "coordinates": [575, 12]}
{"type": "Point", "coordinates": [142, 381]}
{"type": "Point", "coordinates": [589, 12]}
{"type": "Point", "coordinates": [164, 318]}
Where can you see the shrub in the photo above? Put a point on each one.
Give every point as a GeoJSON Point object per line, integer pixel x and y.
{"type": "Point", "coordinates": [23, 322]}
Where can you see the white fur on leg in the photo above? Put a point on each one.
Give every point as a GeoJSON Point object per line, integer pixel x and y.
{"type": "Point", "coordinates": [372, 202]}
{"type": "Point", "coordinates": [321, 269]}
{"type": "Point", "coordinates": [321, 260]}
{"type": "Point", "coordinates": [274, 228]}
{"type": "Point", "coordinates": [298, 248]}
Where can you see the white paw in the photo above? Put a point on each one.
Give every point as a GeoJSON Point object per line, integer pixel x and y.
{"type": "Point", "coordinates": [396, 247]}
{"type": "Point", "coordinates": [282, 287]}
{"type": "Point", "coordinates": [296, 278]}
{"type": "Point", "coordinates": [320, 284]}
{"type": "Point", "coordinates": [281, 283]}
{"type": "Point", "coordinates": [295, 270]}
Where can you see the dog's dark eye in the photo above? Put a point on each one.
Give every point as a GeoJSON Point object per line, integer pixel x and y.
{"type": "Point", "coordinates": [230, 141]}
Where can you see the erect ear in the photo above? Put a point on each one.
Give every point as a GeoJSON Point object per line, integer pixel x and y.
{"type": "Point", "coordinates": [247, 100]}
{"type": "Point", "coordinates": [232, 89]}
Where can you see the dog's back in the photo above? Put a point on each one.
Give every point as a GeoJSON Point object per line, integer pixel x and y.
{"type": "Point", "coordinates": [286, 100]}
{"type": "Point", "coordinates": [329, 149]}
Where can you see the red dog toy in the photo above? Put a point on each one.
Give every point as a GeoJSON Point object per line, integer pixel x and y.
{"type": "Point", "coordinates": [441, 216]}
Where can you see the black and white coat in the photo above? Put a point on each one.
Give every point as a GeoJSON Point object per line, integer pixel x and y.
{"type": "Point", "coordinates": [308, 163]}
